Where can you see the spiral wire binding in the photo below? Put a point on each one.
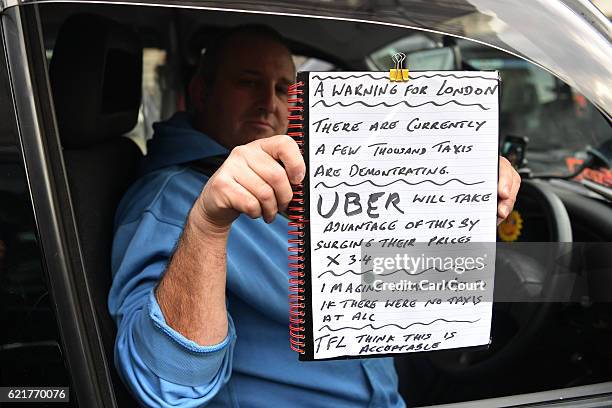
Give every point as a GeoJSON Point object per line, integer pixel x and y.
{"type": "Point", "coordinates": [296, 220]}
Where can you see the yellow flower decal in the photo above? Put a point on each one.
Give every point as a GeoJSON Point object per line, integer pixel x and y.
{"type": "Point", "coordinates": [510, 229]}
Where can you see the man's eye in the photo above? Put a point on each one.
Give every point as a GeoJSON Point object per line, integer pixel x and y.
{"type": "Point", "coordinates": [282, 90]}
{"type": "Point", "coordinates": [248, 82]}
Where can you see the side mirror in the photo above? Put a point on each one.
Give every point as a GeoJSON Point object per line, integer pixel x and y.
{"type": "Point", "coordinates": [513, 148]}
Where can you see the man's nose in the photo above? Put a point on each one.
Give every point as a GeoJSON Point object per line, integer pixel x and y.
{"type": "Point", "coordinates": [267, 99]}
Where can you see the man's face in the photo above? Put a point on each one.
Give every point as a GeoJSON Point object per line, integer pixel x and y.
{"type": "Point", "coordinates": [248, 98]}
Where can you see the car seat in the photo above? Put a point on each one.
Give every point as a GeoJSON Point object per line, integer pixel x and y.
{"type": "Point", "coordinates": [95, 74]}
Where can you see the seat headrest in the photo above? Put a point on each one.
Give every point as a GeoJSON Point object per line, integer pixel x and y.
{"type": "Point", "coordinates": [95, 74]}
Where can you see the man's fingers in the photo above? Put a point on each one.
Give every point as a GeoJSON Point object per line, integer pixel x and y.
{"type": "Point", "coordinates": [285, 149]}
{"type": "Point", "coordinates": [251, 180]}
{"type": "Point", "coordinates": [262, 191]}
{"type": "Point", "coordinates": [516, 184]}
{"type": "Point", "coordinates": [277, 192]}
{"type": "Point", "coordinates": [505, 178]}
{"type": "Point", "coordinates": [504, 207]}
{"type": "Point", "coordinates": [508, 186]}
{"type": "Point", "coordinates": [232, 196]}
{"type": "Point", "coordinates": [274, 174]}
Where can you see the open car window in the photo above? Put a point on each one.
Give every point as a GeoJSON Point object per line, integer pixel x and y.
{"type": "Point", "coordinates": [571, 348]}
{"type": "Point", "coordinates": [160, 100]}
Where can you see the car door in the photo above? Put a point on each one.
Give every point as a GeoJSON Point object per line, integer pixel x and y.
{"type": "Point", "coordinates": [49, 336]}
{"type": "Point", "coordinates": [37, 139]}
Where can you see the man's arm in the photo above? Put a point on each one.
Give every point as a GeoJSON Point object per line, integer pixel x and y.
{"type": "Point", "coordinates": [191, 293]}
{"type": "Point", "coordinates": [175, 339]}
{"type": "Point", "coordinates": [160, 366]}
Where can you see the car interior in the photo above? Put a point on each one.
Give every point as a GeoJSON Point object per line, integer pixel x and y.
{"type": "Point", "coordinates": [96, 98]}
{"type": "Point", "coordinates": [101, 64]}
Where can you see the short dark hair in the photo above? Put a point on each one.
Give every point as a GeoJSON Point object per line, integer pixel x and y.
{"type": "Point", "coordinates": [212, 57]}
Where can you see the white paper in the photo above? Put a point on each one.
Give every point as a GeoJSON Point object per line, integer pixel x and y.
{"type": "Point", "coordinates": [435, 138]}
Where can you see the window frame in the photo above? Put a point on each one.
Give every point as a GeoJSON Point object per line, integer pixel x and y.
{"type": "Point", "coordinates": [56, 227]}
{"type": "Point", "coordinates": [49, 194]}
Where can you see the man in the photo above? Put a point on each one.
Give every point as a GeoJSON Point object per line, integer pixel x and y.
{"type": "Point", "coordinates": [200, 264]}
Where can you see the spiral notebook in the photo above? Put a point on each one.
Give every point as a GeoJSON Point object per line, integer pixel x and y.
{"type": "Point", "coordinates": [393, 229]}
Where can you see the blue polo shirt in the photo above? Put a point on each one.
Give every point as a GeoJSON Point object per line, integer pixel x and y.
{"type": "Point", "coordinates": [254, 365]}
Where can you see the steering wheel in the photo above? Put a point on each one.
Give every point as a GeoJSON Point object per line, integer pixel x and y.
{"type": "Point", "coordinates": [516, 325]}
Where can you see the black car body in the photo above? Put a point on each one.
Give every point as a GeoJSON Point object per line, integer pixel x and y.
{"type": "Point", "coordinates": [58, 192]}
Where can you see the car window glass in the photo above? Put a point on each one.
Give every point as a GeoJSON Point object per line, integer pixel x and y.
{"type": "Point", "coordinates": [558, 122]}
{"type": "Point", "coordinates": [30, 349]}
{"type": "Point", "coordinates": [8, 131]}
{"type": "Point", "coordinates": [304, 63]}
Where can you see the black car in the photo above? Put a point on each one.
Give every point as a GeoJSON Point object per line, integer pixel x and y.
{"type": "Point", "coordinates": [76, 108]}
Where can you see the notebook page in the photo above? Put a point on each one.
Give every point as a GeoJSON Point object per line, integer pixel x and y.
{"type": "Point", "coordinates": [403, 191]}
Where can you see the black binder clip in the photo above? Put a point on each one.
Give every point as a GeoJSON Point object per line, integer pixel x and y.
{"type": "Point", "coordinates": [398, 73]}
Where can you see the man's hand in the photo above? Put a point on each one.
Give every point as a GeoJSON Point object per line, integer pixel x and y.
{"type": "Point", "coordinates": [191, 294]}
{"type": "Point", "coordinates": [509, 183]}
{"type": "Point", "coordinates": [251, 181]}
